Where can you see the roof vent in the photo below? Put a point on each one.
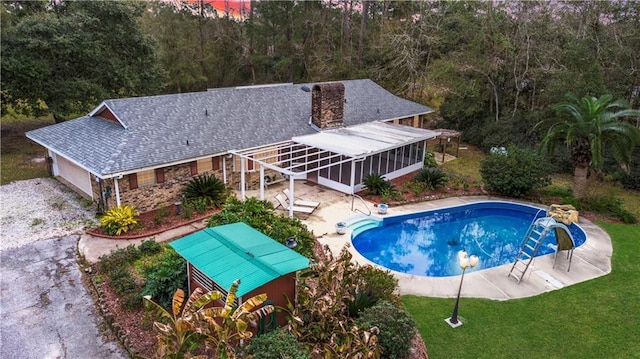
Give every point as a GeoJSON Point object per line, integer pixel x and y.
{"type": "Point", "coordinates": [305, 88]}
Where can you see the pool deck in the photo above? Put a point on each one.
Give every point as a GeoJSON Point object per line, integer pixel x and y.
{"type": "Point", "coordinates": [590, 260]}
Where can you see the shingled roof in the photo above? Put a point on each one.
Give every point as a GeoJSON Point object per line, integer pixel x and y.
{"type": "Point", "coordinates": [156, 131]}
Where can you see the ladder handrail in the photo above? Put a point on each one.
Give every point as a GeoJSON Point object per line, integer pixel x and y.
{"type": "Point", "coordinates": [353, 197]}
{"type": "Point", "coordinates": [533, 223]}
{"type": "Point", "coordinates": [546, 224]}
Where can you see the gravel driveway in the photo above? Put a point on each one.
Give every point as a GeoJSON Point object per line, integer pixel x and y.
{"type": "Point", "coordinates": [45, 310]}
{"type": "Point", "coordinates": [41, 208]}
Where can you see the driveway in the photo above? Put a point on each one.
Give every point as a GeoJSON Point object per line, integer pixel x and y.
{"type": "Point", "coordinates": [46, 310]}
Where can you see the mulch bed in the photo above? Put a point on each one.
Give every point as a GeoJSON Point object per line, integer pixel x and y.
{"type": "Point", "coordinates": [153, 222]}
{"type": "Point", "coordinates": [411, 197]}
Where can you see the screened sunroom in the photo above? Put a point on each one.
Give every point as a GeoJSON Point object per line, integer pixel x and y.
{"type": "Point", "coordinates": [340, 158]}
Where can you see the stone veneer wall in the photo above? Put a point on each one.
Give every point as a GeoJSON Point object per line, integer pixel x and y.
{"type": "Point", "coordinates": [147, 198]}
{"type": "Point", "coordinates": [152, 197]}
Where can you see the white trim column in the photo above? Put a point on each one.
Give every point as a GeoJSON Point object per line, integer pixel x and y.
{"type": "Point", "coordinates": [224, 169]}
{"type": "Point", "coordinates": [352, 180]}
{"type": "Point", "coordinates": [117, 189]}
{"type": "Point", "coordinates": [292, 196]}
{"type": "Point", "coordinates": [261, 182]}
{"type": "Point", "coordinates": [242, 181]}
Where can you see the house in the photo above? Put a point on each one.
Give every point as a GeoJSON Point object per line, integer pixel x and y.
{"type": "Point", "coordinates": [142, 151]}
{"type": "Point", "coordinates": [218, 256]}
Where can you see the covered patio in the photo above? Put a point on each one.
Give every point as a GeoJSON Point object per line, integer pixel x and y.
{"type": "Point", "coordinates": [339, 158]}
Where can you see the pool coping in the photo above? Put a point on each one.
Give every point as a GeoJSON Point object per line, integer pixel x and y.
{"type": "Point", "coordinates": [591, 260]}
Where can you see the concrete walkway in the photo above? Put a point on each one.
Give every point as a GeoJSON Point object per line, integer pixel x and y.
{"type": "Point", "coordinates": [591, 260]}
{"type": "Point", "coordinates": [92, 248]}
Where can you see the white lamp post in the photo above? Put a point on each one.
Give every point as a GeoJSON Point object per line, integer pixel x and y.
{"type": "Point", "coordinates": [465, 262]}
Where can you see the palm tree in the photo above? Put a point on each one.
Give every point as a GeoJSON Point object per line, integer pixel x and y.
{"type": "Point", "coordinates": [592, 125]}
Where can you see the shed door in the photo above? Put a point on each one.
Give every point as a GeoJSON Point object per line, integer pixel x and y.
{"type": "Point", "coordinates": [74, 175]}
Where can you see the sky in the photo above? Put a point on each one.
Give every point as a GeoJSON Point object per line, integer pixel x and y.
{"type": "Point", "coordinates": [233, 7]}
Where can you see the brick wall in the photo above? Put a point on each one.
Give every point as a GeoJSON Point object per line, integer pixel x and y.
{"type": "Point", "coordinates": [327, 105]}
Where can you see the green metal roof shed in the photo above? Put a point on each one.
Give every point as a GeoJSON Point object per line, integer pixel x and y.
{"type": "Point", "coordinates": [237, 251]}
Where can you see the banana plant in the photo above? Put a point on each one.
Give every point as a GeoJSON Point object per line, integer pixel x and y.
{"type": "Point", "coordinates": [181, 329]}
{"type": "Point", "coordinates": [229, 325]}
{"type": "Point", "coordinates": [195, 322]}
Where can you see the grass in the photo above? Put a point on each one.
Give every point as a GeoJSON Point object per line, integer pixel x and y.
{"type": "Point", "coordinates": [467, 164]}
{"type": "Point", "coordinates": [594, 319]}
{"type": "Point", "coordinates": [19, 154]}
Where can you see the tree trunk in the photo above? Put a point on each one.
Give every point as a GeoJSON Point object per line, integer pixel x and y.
{"type": "Point", "coordinates": [580, 182]}
{"type": "Point", "coordinates": [363, 30]}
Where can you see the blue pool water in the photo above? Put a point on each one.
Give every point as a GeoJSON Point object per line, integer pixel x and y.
{"type": "Point", "coordinates": [427, 243]}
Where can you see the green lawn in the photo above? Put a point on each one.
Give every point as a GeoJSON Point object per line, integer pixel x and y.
{"type": "Point", "coordinates": [21, 158]}
{"type": "Point", "coordinates": [596, 319]}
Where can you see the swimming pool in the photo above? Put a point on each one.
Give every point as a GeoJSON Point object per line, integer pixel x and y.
{"type": "Point", "coordinates": [427, 243]}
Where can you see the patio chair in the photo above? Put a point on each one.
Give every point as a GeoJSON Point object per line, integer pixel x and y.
{"type": "Point", "coordinates": [300, 202]}
{"type": "Point", "coordinates": [564, 243]}
{"type": "Point", "coordinates": [282, 201]}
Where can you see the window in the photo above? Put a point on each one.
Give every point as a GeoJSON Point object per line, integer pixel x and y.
{"type": "Point", "coordinates": [146, 178]}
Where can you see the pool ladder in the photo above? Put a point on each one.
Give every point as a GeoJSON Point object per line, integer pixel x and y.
{"type": "Point", "coordinates": [538, 230]}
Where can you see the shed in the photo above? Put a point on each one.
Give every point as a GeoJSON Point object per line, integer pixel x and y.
{"type": "Point", "coordinates": [219, 255]}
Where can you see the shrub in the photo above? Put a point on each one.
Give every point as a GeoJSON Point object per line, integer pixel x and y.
{"type": "Point", "coordinates": [433, 177]}
{"type": "Point", "coordinates": [415, 187]}
{"type": "Point", "coordinates": [208, 187]}
{"type": "Point", "coordinates": [397, 329]}
{"type": "Point", "coordinates": [166, 275]}
{"type": "Point", "coordinates": [119, 258]}
{"type": "Point", "coordinates": [391, 193]}
{"type": "Point", "coordinates": [125, 285]}
{"type": "Point", "coordinates": [376, 184]}
{"type": "Point", "coordinates": [161, 215]}
{"type": "Point", "coordinates": [632, 181]}
{"type": "Point", "coordinates": [149, 247]}
{"type": "Point", "coordinates": [187, 209]}
{"type": "Point", "coordinates": [515, 173]}
{"type": "Point", "coordinates": [119, 220]}
{"type": "Point", "coordinates": [380, 283]}
{"type": "Point", "coordinates": [199, 204]}
{"type": "Point", "coordinates": [361, 300]}
{"type": "Point", "coordinates": [430, 160]}
{"type": "Point", "coordinates": [261, 216]}
{"type": "Point", "coordinates": [276, 344]}
{"type": "Point", "coordinates": [609, 205]}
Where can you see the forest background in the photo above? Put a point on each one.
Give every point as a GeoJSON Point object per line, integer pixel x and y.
{"type": "Point", "coordinates": [490, 69]}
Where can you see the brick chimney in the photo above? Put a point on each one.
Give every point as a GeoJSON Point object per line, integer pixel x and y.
{"type": "Point", "coordinates": [327, 105]}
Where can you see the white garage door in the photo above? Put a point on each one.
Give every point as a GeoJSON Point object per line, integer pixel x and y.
{"type": "Point", "coordinates": [75, 175]}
